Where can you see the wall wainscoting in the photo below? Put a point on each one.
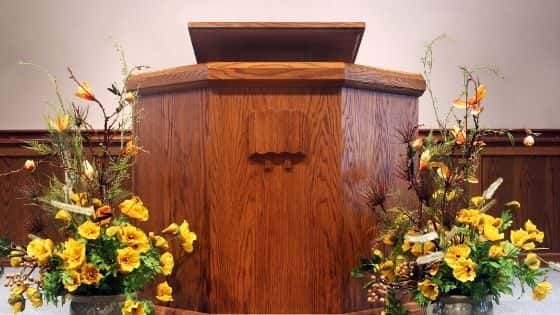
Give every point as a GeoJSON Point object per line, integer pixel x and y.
{"type": "Point", "coordinates": [531, 176]}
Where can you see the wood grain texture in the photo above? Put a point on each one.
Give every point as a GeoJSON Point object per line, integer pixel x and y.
{"type": "Point", "coordinates": [177, 78]}
{"type": "Point", "coordinates": [358, 76]}
{"type": "Point", "coordinates": [534, 181]}
{"type": "Point", "coordinates": [272, 25]}
{"type": "Point", "coordinates": [412, 308]}
{"type": "Point", "coordinates": [275, 41]}
{"type": "Point", "coordinates": [272, 231]}
{"type": "Point", "coordinates": [277, 132]}
{"type": "Point", "coordinates": [372, 150]}
{"type": "Point", "coordinates": [171, 180]}
{"type": "Point", "coordinates": [278, 74]}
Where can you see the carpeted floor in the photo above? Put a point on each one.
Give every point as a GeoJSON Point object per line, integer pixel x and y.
{"type": "Point", "coordinates": [509, 305]}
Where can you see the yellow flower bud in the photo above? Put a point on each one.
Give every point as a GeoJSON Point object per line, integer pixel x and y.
{"type": "Point", "coordinates": [63, 216]}
{"type": "Point", "coordinates": [173, 228]}
{"type": "Point", "coordinates": [30, 166]}
{"type": "Point", "coordinates": [528, 141]}
{"type": "Point", "coordinates": [164, 292]}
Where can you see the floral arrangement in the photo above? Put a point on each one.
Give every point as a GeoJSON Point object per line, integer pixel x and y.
{"type": "Point", "coordinates": [102, 250]}
{"type": "Point", "coordinates": [447, 242]}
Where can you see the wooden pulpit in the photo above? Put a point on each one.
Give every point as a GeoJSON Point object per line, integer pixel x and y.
{"type": "Point", "coordinates": [266, 147]}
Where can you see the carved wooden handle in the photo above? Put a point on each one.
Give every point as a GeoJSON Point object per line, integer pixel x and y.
{"type": "Point", "coordinates": [277, 136]}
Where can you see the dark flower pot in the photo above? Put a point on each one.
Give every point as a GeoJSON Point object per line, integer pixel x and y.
{"type": "Point", "coordinates": [96, 304]}
{"type": "Point", "coordinates": [460, 305]}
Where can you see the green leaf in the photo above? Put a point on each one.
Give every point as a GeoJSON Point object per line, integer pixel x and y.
{"type": "Point", "coordinates": [357, 273]}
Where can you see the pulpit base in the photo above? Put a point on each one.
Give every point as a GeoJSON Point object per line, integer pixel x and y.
{"type": "Point", "coordinates": [413, 309]}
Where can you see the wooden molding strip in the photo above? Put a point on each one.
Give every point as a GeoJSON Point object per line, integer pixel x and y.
{"type": "Point", "coordinates": [12, 141]}
{"type": "Point", "coordinates": [253, 25]}
{"type": "Point", "coordinates": [292, 74]}
{"type": "Point", "coordinates": [547, 144]}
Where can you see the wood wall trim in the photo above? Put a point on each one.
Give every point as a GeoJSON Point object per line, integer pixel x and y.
{"type": "Point", "coordinates": [12, 141]}
{"type": "Point", "coordinates": [547, 144]}
{"type": "Point", "coordinates": [288, 74]}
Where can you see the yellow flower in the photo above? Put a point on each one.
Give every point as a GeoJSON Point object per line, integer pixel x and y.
{"type": "Point", "coordinates": [84, 92]}
{"type": "Point", "coordinates": [497, 251]}
{"type": "Point", "coordinates": [455, 253]}
{"type": "Point", "coordinates": [128, 259]}
{"type": "Point", "coordinates": [541, 290]}
{"type": "Point", "coordinates": [130, 97]}
{"type": "Point", "coordinates": [16, 261]}
{"type": "Point", "coordinates": [60, 124]}
{"type": "Point", "coordinates": [167, 263]}
{"type": "Point", "coordinates": [63, 216]}
{"type": "Point", "coordinates": [40, 249]}
{"type": "Point", "coordinates": [433, 269]}
{"type": "Point", "coordinates": [89, 230]}
{"type": "Point", "coordinates": [378, 253]}
{"type": "Point", "coordinates": [131, 148]}
{"type": "Point", "coordinates": [532, 261]}
{"type": "Point", "coordinates": [160, 242]}
{"type": "Point", "coordinates": [521, 239]}
{"type": "Point", "coordinates": [513, 204]}
{"type": "Point", "coordinates": [464, 270]}
{"type": "Point", "coordinates": [468, 216]}
{"type": "Point", "coordinates": [387, 269]}
{"type": "Point", "coordinates": [71, 280]}
{"type": "Point", "coordinates": [134, 208]}
{"type": "Point", "coordinates": [534, 233]}
{"type": "Point", "coordinates": [35, 297]}
{"type": "Point", "coordinates": [74, 253]}
{"type": "Point", "coordinates": [442, 170]}
{"type": "Point", "coordinates": [421, 249]}
{"type": "Point", "coordinates": [450, 195]}
{"type": "Point", "coordinates": [459, 134]}
{"type": "Point", "coordinates": [113, 230]}
{"type": "Point", "coordinates": [164, 292]}
{"type": "Point", "coordinates": [17, 302]}
{"type": "Point", "coordinates": [417, 144]}
{"type": "Point", "coordinates": [187, 236]}
{"type": "Point", "coordinates": [131, 307]}
{"type": "Point", "coordinates": [88, 170]}
{"type": "Point", "coordinates": [90, 274]}
{"type": "Point", "coordinates": [428, 289]}
{"type": "Point", "coordinates": [389, 238]}
{"type": "Point", "coordinates": [477, 201]}
{"type": "Point", "coordinates": [103, 215]}
{"type": "Point", "coordinates": [79, 199]}
{"type": "Point", "coordinates": [473, 102]}
{"type": "Point", "coordinates": [173, 228]}
{"type": "Point", "coordinates": [19, 290]}
{"type": "Point", "coordinates": [134, 238]}
{"type": "Point", "coordinates": [492, 233]}
{"type": "Point", "coordinates": [425, 159]}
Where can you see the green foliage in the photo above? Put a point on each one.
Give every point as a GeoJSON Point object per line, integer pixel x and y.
{"type": "Point", "coordinates": [140, 277]}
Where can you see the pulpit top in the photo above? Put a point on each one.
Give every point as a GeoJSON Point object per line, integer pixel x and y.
{"type": "Point", "coordinates": [277, 54]}
{"type": "Point", "coordinates": [276, 41]}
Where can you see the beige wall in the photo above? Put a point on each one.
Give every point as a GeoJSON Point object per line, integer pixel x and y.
{"type": "Point", "coordinates": [521, 37]}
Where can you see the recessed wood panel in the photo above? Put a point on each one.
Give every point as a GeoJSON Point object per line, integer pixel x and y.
{"type": "Point", "coordinates": [372, 151]}
{"type": "Point", "coordinates": [275, 235]}
{"type": "Point", "coordinates": [534, 181]}
{"type": "Point", "coordinates": [171, 179]}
